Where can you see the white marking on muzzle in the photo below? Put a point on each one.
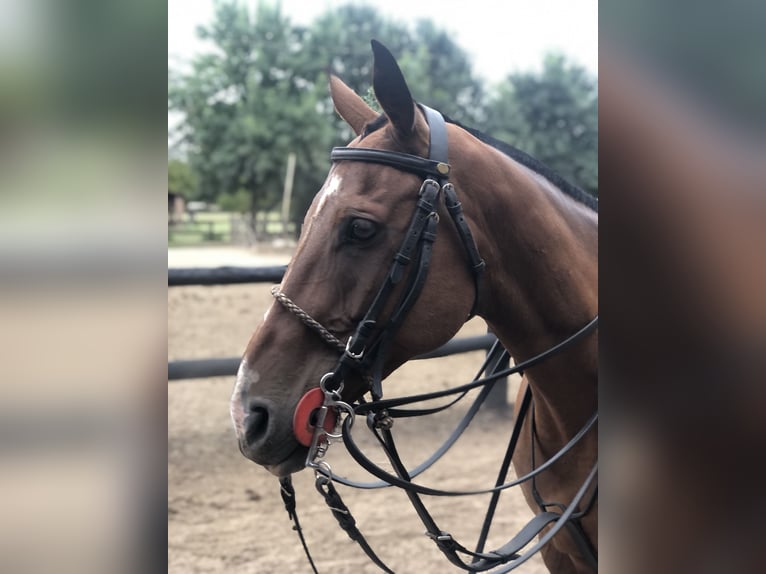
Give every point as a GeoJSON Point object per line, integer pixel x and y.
{"type": "Point", "coordinates": [237, 407]}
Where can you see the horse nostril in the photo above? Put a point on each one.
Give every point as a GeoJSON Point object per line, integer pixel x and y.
{"type": "Point", "coordinates": [256, 424]}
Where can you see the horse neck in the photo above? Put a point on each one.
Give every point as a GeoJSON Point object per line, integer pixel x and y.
{"type": "Point", "coordinates": [540, 284]}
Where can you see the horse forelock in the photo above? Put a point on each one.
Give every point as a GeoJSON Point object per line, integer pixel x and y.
{"type": "Point", "coordinates": [374, 125]}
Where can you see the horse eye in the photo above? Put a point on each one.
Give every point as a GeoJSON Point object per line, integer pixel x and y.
{"type": "Point", "coordinates": [361, 229]}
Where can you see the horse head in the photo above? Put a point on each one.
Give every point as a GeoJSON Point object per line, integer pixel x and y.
{"type": "Point", "coordinates": [351, 234]}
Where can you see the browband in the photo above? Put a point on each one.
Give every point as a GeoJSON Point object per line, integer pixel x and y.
{"type": "Point", "coordinates": [404, 161]}
{"type": "Point", "coordinates": [437, 164]}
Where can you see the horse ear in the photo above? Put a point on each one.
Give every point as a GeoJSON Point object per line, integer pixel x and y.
{"type": "Point", "coordinates": [391, 90]}
{"type": "Point", "coordinates": [353, 109]}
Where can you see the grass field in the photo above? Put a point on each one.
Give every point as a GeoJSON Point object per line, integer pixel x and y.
{"type": "Point", "coordinates": [206, 228]}
{"type": "Point", "coordinates": [213, 228]}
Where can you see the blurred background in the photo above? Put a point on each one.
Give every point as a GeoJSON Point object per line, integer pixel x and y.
{"type": "Point", "coordinates": [82, 284]}
{"type": "Point", "coordinates": [250, 121]}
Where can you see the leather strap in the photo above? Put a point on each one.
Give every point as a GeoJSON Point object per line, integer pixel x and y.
{"type": "Point", "coordinates": [363, 409]}
{"type": "Point", "coordinates": [492, 358]}
{"type": "Point", "coordinates": [287, 492]}
{"type": "Point", "coordinates": [455, 209]}
{"type": "Point", "coordinates": [370, 336]}
{"type": "Point", "coordinates": [557, 526]}
{"type": "Point", "coordinates": [357, 454]}
{"type": "Point", "coordinates": [526, 401]}
{"type": "Point", "coordinates": [362, 348]}
{"type": "Point", "coordinates": [346, 521]}
{"type": "Point", "coordinates": [438, 149]}
{"type": "Point", "coordinates": [403, 161]}
{"type": "Point", "coordinates": [510, 549]}
{"type": "Point", "coordinates": [437, 164]}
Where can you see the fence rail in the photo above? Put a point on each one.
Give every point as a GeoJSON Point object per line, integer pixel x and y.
{"type": "Point", "coordinates": [224, 367]}
{"type": "Point", "coordinates": [204, 368]}
{"type": "Point", "coordinates": [225, 275]}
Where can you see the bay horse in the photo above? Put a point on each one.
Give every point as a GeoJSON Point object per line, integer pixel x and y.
{"type": "Point", "coordinates": [535, 283]}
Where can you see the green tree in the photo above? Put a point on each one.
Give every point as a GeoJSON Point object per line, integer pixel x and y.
{"type": "Point", "coordinates": [246, 106]}
{"type": "Point", "coordinates": [239, 202]}
{"type": "Point", "coordinates": [553, 116]}
{"type": "Point", "coordinates": [261, 93]}
{"type": "Point", "coordinates": [181, 179]}
{"type": "Point", "coordinates": [439, 74]}
{"type": "Point", "coordinates": [438, 71]}
{"type": "Point", "coordinates": [339, 41]}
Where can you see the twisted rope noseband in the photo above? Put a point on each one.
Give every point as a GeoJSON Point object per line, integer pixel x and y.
{"type": "Point", "coordinates": [307, 320]}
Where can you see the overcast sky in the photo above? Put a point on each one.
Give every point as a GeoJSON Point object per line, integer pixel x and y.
{"type": "Point", "coordinates": [499, 35]}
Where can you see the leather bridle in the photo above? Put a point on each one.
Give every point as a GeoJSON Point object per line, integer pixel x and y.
{"type": "Point", "coordinates": [366, 349]}
{"type": "Point", "coordinates": [365, 353]}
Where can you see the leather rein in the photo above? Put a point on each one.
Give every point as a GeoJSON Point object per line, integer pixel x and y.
{"type": "Point", "coordinates": [365, 352]}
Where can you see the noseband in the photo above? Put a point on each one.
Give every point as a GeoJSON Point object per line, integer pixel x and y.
{"type": "Point", "coordinates": [366, 349]}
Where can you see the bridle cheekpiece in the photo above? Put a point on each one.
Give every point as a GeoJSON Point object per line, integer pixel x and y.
{"type": "Point", "coordinates": [366, 348]}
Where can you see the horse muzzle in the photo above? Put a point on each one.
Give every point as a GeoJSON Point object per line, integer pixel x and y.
{"type": "Point", "coordinates": [266, 440]}
{"type": "Point", "coordinates": [264, 435]}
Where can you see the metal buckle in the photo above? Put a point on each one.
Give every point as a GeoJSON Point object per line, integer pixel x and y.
{"type": "Point", "coordinates": [443, 537]}
{"type": "Point", "coordinates": [354, 356]}
{"type": "Point", "coordinates": [322, 439]}
{"type": "Point", "coordinates": [323, 385]}
{"type": "Point", "coordinates": [427, 182]}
